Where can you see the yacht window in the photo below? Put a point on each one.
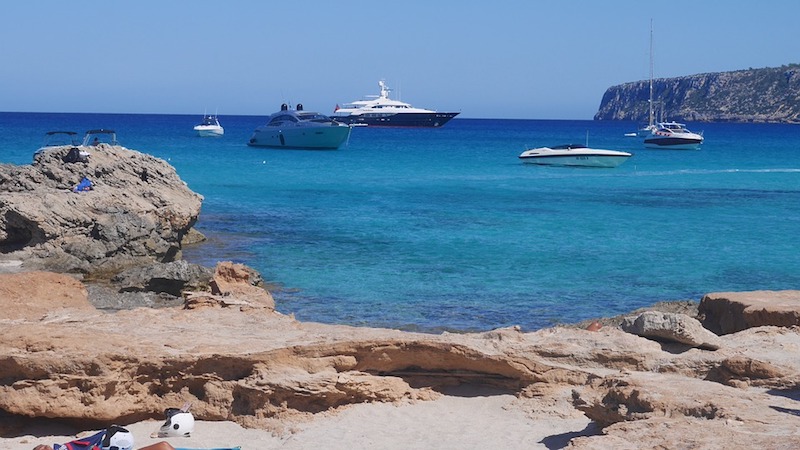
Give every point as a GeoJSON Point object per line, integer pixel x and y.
{"type": "Point", "coordinates": [315, 117]}
{"type": "Point", "coordinates": [282, 118]}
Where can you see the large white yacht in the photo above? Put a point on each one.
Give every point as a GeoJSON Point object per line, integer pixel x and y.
{"type": "Point", "coordinates": [574, 155]}
{"type": "Point", "coordinates": [673, 135]}
{"type": "Point", "coordinates": [381, 111]}
{"type": "Point", "coordinates": [295, 128]}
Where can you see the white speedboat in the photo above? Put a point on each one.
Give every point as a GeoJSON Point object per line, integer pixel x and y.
{"type": "Point", "coordinates": [58, 139]}
{"type": "Point", "coordinates": [381, 111]}
{"type": "Point", "coordinates": [574, 155]}
{"type": "Point", "coordinates": [209, 127]}
{"type": "Point", "coordinates": [673, 135]}
{"type": "Point", "coordinates": [296, 128]}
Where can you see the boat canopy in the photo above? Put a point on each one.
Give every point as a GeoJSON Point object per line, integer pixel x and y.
{"type": "Point", "coordinates": [282, 118]}
{"type": "Point", "coordinates": [56, 138]}
{"type": "Point", "coordinates": [100, 136]}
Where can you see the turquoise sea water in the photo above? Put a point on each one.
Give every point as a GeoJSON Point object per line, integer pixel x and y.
{"type": "Point", "coordinates": [433, 229]}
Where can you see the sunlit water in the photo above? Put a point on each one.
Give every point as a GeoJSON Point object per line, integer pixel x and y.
{"type": "Point", "coordinates": [433, 229]}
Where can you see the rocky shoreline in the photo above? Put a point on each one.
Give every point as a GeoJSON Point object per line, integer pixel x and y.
{"type": "Point", "coordinates": [104, 323]}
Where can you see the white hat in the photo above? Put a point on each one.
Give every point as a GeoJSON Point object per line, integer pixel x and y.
{"type": "Point", "coordinates": [178, 423]}
{"type": "Point", "coordinates": [117, 438]}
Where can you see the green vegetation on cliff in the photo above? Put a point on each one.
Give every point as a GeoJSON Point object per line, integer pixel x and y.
{"type": "Point", "coordinates": [753, 95]}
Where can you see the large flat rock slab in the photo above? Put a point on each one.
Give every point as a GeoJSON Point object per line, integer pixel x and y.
{"type": "Point", "coordinates": [730, 312]}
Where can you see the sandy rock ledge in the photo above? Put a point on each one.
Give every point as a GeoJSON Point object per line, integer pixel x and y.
{"type": "Point", "coordinates": [246, 363]}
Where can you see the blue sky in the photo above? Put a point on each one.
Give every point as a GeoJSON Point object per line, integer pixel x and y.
{"type": "Point", "coordinates": [502, 59]}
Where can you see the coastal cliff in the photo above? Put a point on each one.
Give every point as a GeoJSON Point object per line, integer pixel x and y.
{"type": "Point", "coordinates": [753, 95]}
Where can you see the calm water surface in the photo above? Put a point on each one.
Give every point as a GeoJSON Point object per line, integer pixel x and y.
{"type": "Point", "coordinates": [446, 229]}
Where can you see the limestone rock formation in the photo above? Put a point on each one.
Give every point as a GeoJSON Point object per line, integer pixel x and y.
{"type": "Point", "coordinates": [233, 285]}
{"type": "Point", "coordinates": [255, 366]}
{"type": "Point", "coordinates": [22, 295]}
{"type": "Point", "coordinates": [171, 278]}
{"type": "Point", "coordinates": [753, 95]}
{"type": "Point", "coordinates": [729, 312]}
{"type": "Point", "coordinates": [137, 212]}
{"type": "Point", "coordinates": [671, 327]}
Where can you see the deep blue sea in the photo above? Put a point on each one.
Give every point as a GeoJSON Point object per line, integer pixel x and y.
{"type": "Point", "coordinates": [431, 229]}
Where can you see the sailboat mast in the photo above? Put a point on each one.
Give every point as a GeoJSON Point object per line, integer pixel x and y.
{"type": "Point", "coordinates": [651, 75]}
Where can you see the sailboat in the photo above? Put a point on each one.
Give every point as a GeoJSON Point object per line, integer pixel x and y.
{"type": "Point", "coordinates": [666, 135]}
{"type": "Point", "coordinates": [651, 126]}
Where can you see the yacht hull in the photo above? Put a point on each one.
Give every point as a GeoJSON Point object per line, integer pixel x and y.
{"type": "Point", "coordinates": [204, 131]}
{"type": "Point", "coordinates": [576, 160]}
{"type": "Point", "coordinates": [574, 155]}
{"type": "Point", "coordinates": [321, 138]}
{"type": "Point", "coordinates": [416, 120]}
{"type": "Point", "coordinates": [676, 143]}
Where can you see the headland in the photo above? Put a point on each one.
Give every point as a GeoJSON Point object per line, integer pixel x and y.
{"type": "Point", "coordinates": [766, 95]}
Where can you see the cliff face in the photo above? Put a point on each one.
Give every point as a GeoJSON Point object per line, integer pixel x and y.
{"type": "Point", "coordinates": [754, 95]}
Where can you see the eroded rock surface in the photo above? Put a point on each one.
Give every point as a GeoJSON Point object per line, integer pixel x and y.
{"type": "Point", "coordinates": [171, 278]}
{"type": "Point", "coordinates": [254, 366]}
{"type": "Point", "coordinates": [729, 312]}
{"type": "Point", "coordinates": [137, 213]}
{"type": "Point", "coordinates": [671, 327]}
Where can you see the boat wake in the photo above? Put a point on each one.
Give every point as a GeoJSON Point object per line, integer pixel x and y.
{"type": "Point", "coordinates": [714, 171]}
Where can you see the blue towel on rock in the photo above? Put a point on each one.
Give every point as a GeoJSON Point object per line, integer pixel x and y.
{"type": "Point", "coordinates": [84, 185]}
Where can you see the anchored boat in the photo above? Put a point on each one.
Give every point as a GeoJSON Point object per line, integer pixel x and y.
{"type": "Point", "coordinates": [574, 155]}
{"type": "Point", "coordinates": [300, 129]}
{"type": "Point", "coordinates": [382, 111]}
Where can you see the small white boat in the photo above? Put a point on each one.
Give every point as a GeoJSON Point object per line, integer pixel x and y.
{"type": "Point", "coordinates": [673, 135]}
{"type": "Point", "coordinates": [58, 139]}
{"type": "Point", "coordinates": [642, 132]}
{"type": "Point", "coordinates": [574, 155]}
{"type": "Point", "coordinates": [646, 130]}
{"type": "Point", "coordinates": [209, 127]}
{"type": "Point", "coordinates": [300, 129]}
